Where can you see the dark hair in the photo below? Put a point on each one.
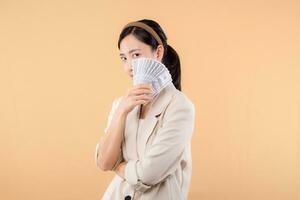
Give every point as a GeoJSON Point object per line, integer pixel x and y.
{"type": "Point", "coordinates": [170, 58]}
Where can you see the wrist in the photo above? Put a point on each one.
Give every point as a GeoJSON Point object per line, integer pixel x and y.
{"type": "Point", "coordinates": [122, 112]}
{"type": "Point", "coordinates": [120, 169]}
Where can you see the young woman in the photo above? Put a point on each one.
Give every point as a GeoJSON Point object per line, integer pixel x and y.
{"type": "Point", "coordinates": [147, 140]}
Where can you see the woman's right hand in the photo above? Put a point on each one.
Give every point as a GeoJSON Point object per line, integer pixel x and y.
{"type": "Point", "coordinates": [136, 95]}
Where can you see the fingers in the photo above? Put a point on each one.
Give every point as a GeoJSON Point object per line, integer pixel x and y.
{"type": "Point", "coordinates": [142, 85]}
{"type": "Point", "coordinates": [140, 89]}
{"type": "Point", "coordinates": [137, 95]}
{"type": "Point", "coordinates": [142, 97]}
{"type": "Point", "coordinates": [139, 102]}
{"type": "Point", "coordinates": [140, 92]}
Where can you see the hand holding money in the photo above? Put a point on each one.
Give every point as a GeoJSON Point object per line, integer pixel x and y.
{"type": "Point", "coordinates": [137, 95]}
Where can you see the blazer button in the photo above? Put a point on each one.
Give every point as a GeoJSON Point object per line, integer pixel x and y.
{"type": "Point", "coordinates": [128, 197]}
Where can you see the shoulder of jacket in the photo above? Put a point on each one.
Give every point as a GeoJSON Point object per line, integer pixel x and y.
{"type": "Point", "coordinates": [117, 100]}
{"type": "Point", "coordinates": [182, 100]}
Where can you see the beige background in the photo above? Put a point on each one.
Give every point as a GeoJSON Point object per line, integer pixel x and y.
{"type": "Point", "coordinates": [60, 71]}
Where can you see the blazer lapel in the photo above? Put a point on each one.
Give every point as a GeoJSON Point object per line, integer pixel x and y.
{"type": "Point", "coordinates": [133, 146]}
{"type": "Point", "coordinates": [158, 106]}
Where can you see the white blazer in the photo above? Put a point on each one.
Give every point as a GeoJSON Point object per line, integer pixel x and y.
{"type": "Point", "coordinates": [159, 156]}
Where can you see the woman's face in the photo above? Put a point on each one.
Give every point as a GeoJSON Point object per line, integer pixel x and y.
{"type": "Point", "coordinates": [131, 48]}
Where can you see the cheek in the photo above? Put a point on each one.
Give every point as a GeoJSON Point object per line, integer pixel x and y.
{"type": "Point", "coordinates": [126, 67]}
{"type": "Point", "coordinates": [151, 55]}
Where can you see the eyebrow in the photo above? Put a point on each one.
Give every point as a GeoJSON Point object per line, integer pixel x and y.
{"type": "Point", "coordinates": [132, 50]}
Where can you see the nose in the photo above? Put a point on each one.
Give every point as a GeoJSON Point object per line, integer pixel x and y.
{"type": "Point", "coordinates": [128, 66]}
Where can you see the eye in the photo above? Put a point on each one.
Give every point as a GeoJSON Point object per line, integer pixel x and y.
{"type": "Point", "coordinates": [123, 59]}
{"type": "Point", "coordinates": [136, 54]}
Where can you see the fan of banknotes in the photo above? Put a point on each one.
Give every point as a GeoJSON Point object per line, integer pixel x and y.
{"type": "Point", "coordinates": [151, 71]}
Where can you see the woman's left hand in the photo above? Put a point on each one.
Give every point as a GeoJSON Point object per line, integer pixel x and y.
{"type": "Point", "coordinates": [120, 170]}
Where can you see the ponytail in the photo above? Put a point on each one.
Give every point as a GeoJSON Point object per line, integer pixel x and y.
{"type": "Point", "coordinates": [172, 62]}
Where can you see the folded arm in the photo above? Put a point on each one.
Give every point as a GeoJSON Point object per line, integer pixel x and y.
{"type": "Point", "coordinates": [108, 150]}
{"type": "Point", "coordinates": [163, 156]}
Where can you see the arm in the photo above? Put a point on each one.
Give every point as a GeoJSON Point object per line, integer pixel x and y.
{"type": "Point", "coordinates": [108, 151]}
{"type": "Point", "coordinates": [163, 156]}
{"type": "Point", "coordinates": [120, 169]}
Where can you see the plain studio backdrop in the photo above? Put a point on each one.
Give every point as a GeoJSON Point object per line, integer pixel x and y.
{"type": "Point", "coordinates": [60, 70]}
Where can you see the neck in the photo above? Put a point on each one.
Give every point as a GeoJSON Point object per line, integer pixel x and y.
{"type": "Point", "coordinates": [144, 110]}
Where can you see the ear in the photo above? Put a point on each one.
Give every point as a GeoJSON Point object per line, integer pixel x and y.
{"type": "Point", "coordinates": [159, 52]}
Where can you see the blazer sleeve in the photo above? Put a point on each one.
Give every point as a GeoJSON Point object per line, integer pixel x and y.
{"type": "Point", "coordinates": [113, 109]}
{"type": "Point", "coordinates": [163, 156]}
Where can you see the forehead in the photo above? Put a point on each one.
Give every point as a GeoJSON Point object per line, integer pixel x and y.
{"type": "Point", "coordinates": [130, 42]}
